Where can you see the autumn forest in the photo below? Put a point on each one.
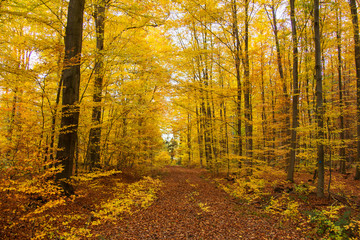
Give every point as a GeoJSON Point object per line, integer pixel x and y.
{"type": "Point", "coordinates": [193, 119]}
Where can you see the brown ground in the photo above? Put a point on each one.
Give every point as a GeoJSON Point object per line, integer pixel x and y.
{"type": "Point", "coordinates": [176, 214]}
{"type": "Point", "coordinates": [189, 206]}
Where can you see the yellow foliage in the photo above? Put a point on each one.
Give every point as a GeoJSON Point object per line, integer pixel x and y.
{"type": "Point", "coordinates": [284, 206]}
{"type": "Point", "coordinates": [76, 234]}
{"type": "Point", "coordinates": [50, 204]}
{"type": "Point", "coordinates": [204, 207]}
{"type": "Point", "coordinates": [92, 175]}
{"type": "Point", "coordinates": [161, 159]}
{"type": "Point", "coordinates": [246, 189]}
{"type": "Point", "coordinates": [304, 188]}
{"type": "Point", "coordinates": [333, 223]}
{"type": "Point", "coordinates": [139, 194]}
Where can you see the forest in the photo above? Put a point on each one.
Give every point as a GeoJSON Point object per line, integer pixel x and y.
{"type": "Point", "coordinates": [168, 119]}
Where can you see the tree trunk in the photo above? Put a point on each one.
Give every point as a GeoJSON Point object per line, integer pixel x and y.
{"type": "Point", "coordinates": [189, 149]}
{"type": "Point", "coordinates": [71, 82]}
{"type": "Point", "coordinates": [341, 99]}
{"type": "Point", "coordinates": [296, 92]}
{"type": "Point", "coordinates": [319, 101]}
{"type": "Point", "coordinates": [247, 87]}
{"type": "Point", "coordinates": [263, 109]}
{"type": "Point", "coordinates": [95, 132]}
{"type": "Point", "coordinates": [236, 39]}
{"type": "Point", "coordinates": [200, 136]}
{"type": "Point", "coordinates": [286, 107]}
{"type": "Point", "coordinates": [355, 21]}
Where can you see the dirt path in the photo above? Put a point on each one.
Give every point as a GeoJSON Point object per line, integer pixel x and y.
{"type": "Point", "coordinates": [191, 207]}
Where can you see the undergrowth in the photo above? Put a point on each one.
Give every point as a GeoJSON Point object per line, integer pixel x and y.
{"type": "Point", "coordinates": [140, 194]}
{"type": "Point", "coordinates": [334, 222]}
{"type": "Point", "coordinates": [42, 206]}
{"type": "Point", "coordinates": [331, 222]}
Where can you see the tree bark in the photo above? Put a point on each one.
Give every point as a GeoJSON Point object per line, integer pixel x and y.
{"type": "Point", "coordinates": [95, 132]}
{"type": "Point", "coordinates": [71, 82]}
{"type": "Point", "coordinates": [236, 39]}
{"type": "Point", "coordinates": [200, 136]}
{"type": "Point", "coordinates": [341, 99]}
{"type": "Point", "coordinates": [319, 101]}
{"type": "Point", "coordinates": [355, 21]}
{"type": "Point", "coordinates": [247, 87]}
{"type": "Point", "coordinates": [189, 148]}
{"type": "Point", "coordinates": [295, 118]}
{"type": "Point", "coordinates": [263, 109]}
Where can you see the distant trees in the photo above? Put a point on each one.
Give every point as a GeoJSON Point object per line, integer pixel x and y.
{"type": "Point", "coordinates": [277, 72]}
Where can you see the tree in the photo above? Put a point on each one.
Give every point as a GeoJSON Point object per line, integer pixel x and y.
{"type": "Point", "coordinates": [247, 86]}
{"type": "Point", "coordinates": [319, 101]}
{"type": "Point", "coordinates": [341, 90]}
{"type": "Point", "coordinates": [295, 113]}
{"type": "Point", "coordinates": [279, 57]}
{"type": "Point", "coordinates": [71, 82]}
{"type": "Point", "coordinates": [355, 23]}
{"type": "Point", "coordinates": [237, 57]}
{"type": "Point", "coordinates": [95, 132]}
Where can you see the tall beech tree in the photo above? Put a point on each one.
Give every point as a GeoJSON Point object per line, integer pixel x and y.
{"type": "Point", "coordinates": [247, 85]}
{"type": "Point", "coordinates": [296, 92]}
{"type": "Point", "coordinates": [71, 82]}
{"type": "Point", "coordinates": [355, 23]}
{"type": "Point", "coordinates": [279, 59]}
{"type": "Point", "coordinates": [341, 90]}
{"type": "Point", "coordinates": [95, 132]}
{"type": "Point", "coordinates": [319, 101]}
{"type": "Point", "coordinates": [237, 58]}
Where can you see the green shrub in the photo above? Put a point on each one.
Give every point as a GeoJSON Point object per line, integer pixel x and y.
{"type": "Point", "coordinates": [333, 224]}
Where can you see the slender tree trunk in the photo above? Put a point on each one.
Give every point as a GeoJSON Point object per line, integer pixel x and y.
{"type": "Point", "coordinates": [235, 34]}
{"type": "Point", "coordinates": [341, 99]}
{"type": "Point", "coordinates": [71, 82]}
{"type": "Point", "coordinates": [201, 69]}
{"type": "Point", "coordinates": [277, 44]}
{"type": "Point", "coordinates": [263, 109]}
{"type": "Point", "coordinates": [355, 21]}
{"type": "Point", "coordinates": [95, 132]}
{"type": "Point", "coordinates": [273, 120]}
{"type": "Point", "coordinates": [200, 134]}
{"type": "Point", "coordinates": [207, 132]}
{"type": "Point", "coordinates": [189, 149]}
{"type": "Point", "coordinates": [307, 91]}
{"type": "Point", "coordinates": [296, 92]}
{"type": "Point", "coordinates": [223, 131]}
{"type": "Point", "coordinates": [286, 106]}
{"type": "Point", "coordinates": [205, 78]}
{"type": "Point", "coordinates": [247, 87]}
{"type": "Point", "coordinates": [13, 115]}
{"type": "Point", "coordinates": [319, 101]}
{"type": "Point", "coordinates": [52, 150]}
{"type": "Point", "coordinates": [53, 121]}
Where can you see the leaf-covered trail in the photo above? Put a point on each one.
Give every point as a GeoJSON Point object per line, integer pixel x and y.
{"type": "Point", "coordinates": [191, 207]}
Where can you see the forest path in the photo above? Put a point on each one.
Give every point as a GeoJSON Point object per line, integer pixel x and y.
{"type": "Point", "coordinates": [191, 207]}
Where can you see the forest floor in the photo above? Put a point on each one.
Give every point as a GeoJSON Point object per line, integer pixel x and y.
{"type": "Point", "coordinates": [181, 203]}
{"type": "Point", "coordinates": [190, 206]}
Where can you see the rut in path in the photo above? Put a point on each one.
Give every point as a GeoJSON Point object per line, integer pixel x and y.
{"type": "Point", "coordinates": [191, 207]}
